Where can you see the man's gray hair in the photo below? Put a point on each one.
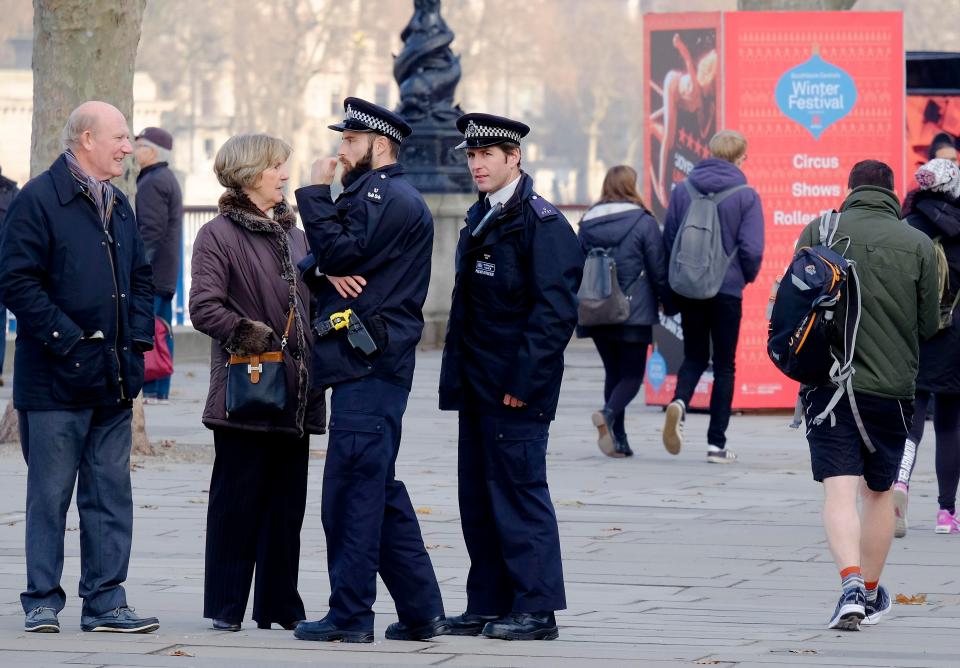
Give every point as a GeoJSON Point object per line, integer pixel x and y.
{"type": "Point", "coordinates": [163, 154]}
{"type": "Point", "coordinates": [78, 122]}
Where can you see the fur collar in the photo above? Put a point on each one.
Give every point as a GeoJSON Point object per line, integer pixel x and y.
{"type": "Point", "coordinates": [235, 205]}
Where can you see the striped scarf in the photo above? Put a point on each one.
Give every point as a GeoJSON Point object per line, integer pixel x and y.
{"type": "Point", "coordinates": [99, 191]}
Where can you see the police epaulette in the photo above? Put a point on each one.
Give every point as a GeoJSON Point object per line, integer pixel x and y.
{"type": "Point", "coordinates": [542, 207]}
{"type": "Point", "coordinates": [377, 187]}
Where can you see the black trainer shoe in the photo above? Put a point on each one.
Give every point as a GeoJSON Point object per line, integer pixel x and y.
{"type": "Point", "coordinates": [224, 625]}
{"type": "Point", "coordinates": [622, 446]}
{"type": "Point", "coordinates": [850, 610]}
{"type": "Point", "coordinates": [121, 620]}
{"type": "Point", "coordinates": [437, 626]}
{"type": "Point", "coordinates": [326, 631]}
{"type": "Point", "coordinates": [469, 624]}
{"type": "Point", "coordinates": [524, 626]}
{"type": "Point", "coordinates": [42, 620]}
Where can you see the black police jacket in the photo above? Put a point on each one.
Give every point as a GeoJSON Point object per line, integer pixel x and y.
{"type": "Point", "coordinates": [379, 228]}
{"type": "Point", "coordinates": [514, 308]}
{"type": "Point", "coordinates": [63, 276]}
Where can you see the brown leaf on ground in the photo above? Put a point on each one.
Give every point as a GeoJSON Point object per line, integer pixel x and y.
{"type": "Point", "coordinates": [149, 506]}
{"type": "Point", "coordinates": [708, 662]}
{"type": "Point", "coordinates": [568, 502]}
{"type": "Point", "coordinates": [915, 599]}
{"type": "Point", "coordinates": [198, 501]}
{"type": "Point", "coordinates": [437, 546]}
{"type": "Point", "coordinates": [167, 443]}
{"type": "Point", "coordinates": [179, 652]}
{"type": "Point", "coordinates": [318, 454]}
{"type": "Point", "coordinates": [424, 511]}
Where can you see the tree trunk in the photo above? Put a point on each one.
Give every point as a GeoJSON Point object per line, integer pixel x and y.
{"type": "Point", "coordinates": [794, 5]}
{"type": "Point", "coordinates": [82, 50]}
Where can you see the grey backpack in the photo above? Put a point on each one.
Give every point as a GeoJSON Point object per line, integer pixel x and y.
{"type": "Point", "coordinates": [698, 262]}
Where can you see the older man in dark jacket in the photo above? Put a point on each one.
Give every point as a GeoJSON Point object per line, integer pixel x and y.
{"type": "Point", "coordinates": [73, 270]}
{"type": "Point", "coordinates": [711, 327]}
{"type": "Point", "coordinates": [160, 218]}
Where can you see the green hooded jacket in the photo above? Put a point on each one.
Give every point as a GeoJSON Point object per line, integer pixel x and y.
{"type": "Point", "coordinates": [899, 290]}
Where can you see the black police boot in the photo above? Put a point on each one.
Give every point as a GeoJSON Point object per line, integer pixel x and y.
{"type": "Point", "coordinates": [469, 624]}
{"type": "Point", "coordinates": [437, 626]}
{"type": "Point", "coordinates": [622, 446]}
{"type": "Point", "coordinates": [524, 626]}
{"type": "Point", "coordinates": [326, 631]}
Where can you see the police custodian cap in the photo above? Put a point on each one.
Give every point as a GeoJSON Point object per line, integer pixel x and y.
{"type": "Point", "coordinates": [363, 116]}
{"type": "Point", "coordinates": [481, 130]}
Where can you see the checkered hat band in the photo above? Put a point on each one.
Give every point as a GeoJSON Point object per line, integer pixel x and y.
{"type": "Point", "coordinates": [473, 131]}
{"type": "Point", "coordinates": [374, 123]}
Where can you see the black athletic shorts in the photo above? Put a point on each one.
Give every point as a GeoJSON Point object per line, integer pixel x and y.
{"type": "Point", "coordinates": [836, 447]}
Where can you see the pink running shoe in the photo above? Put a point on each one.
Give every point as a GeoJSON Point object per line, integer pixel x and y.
{"type": "Point", "coordinates": [947, 522]}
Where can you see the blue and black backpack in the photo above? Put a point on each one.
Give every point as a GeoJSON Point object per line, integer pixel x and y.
{"type": "Point", "coordinates": [807, 326]}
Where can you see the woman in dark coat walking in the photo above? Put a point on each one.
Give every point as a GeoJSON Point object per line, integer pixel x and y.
{"type": "Point", "coordinates": [244, 281]}
{"type": "Point", "coordinates": [621, 223]}
{"type": "Point", "coordinates": [936, 213]}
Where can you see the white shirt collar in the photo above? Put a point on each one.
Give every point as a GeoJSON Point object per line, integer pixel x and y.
{"type": "Point", "coordinates": [503, 195]}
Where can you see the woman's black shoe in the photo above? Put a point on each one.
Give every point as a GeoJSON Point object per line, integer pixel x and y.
{"type": "Point", "coordinates": [224, 625]}
{"type": "Point", "coordinates": [524, 626]}
{"type": "Point", "coordinates": [469, 624]}
{"type": "Point", "coordinates": [622, 446]}
{"type": "Point", "coordinates": [437, 626]}
{"type": "Point", "coordinates": [286, 626]}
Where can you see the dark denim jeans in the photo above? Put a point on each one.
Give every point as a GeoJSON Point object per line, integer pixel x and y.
{"type": "Point", "coordinates": [160, 389]}
{"type": "Point", "coordinates": [704, 322]}
{"type": "Point", "coordinates": [91, 447]}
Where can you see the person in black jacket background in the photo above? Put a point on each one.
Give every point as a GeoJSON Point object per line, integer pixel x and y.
{"type": "Point", "coordinates": [621, 223]}
{"type": "Point", "coordinates": [160, 218]}
{"type": "Point", "coordinates": [8, 190]}
{"type": "Point", "coordinates": [514, 308]}
{"type": "Point", "coordinates": [936, 212]}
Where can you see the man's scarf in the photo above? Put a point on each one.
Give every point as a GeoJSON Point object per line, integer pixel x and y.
{"type": "Point", "coordinates": [99, 191]}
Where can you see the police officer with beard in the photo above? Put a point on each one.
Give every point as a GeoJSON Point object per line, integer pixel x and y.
{"type": "Point", "coordinates": [518, 269]}
{"type": "Point", "coordinates": [370, 254]}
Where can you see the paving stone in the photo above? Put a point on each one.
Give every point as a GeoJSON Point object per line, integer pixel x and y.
{"type": "Point", "coordinates": [668, 559]}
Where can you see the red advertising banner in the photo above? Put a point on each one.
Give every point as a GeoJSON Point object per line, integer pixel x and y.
{"type": "Point", "coordinates": [814, 93]}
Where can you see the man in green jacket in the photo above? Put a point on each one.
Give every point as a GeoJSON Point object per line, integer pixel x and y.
{"type": "Point", "coordinates": [897, 269]}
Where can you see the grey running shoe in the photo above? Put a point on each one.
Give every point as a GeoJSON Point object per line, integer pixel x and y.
{"type": "Point", "coordinates": [42, 620]}
{"type": "Point", "coordinates": [850, 611]}
{"type": "Point", "coordinates": [673, 427]}
{"type": "Point", "coordinates": [717, 455]}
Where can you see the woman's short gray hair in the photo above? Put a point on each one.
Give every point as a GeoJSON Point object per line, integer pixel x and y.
{"type": "Point", "coordinates": [243, 158]}
{"type": "Point", "coordinates": [78, 122]}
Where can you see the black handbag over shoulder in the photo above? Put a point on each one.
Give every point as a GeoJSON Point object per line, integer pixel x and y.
{"type": "Point", "coordinates": [257, 384]}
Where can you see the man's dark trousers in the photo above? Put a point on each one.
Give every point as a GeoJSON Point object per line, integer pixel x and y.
{"type": "Point", "coordinates": [367, 515]}
{"type": "Point", "coordinates": [706, 321]}
{"type": "Point", "coordinates": [508, 520]}
{"type": "Point", "coordinates": [91, 447]}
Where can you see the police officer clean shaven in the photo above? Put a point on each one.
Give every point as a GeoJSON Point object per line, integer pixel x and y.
{"type": "Point", "coordinates": [369, 269]}
{"type": "Point", "coordinates": [514, 309]}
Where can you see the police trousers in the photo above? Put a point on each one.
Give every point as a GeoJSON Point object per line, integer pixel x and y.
{"type": "Point", "coordinates": [368, 519]}
{"type": "Point", "coordinates": [507, 516]}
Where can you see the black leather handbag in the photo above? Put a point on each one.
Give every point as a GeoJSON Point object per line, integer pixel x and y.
{"type": "Point", "coordinates": [257, 384]}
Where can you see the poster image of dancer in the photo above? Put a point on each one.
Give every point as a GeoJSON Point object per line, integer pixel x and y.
{"type": "Point", "coordinates": [683, 71]}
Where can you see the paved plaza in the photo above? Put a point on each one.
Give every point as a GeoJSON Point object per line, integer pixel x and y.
{"type": "Point", "coordinates": [668, 560]}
